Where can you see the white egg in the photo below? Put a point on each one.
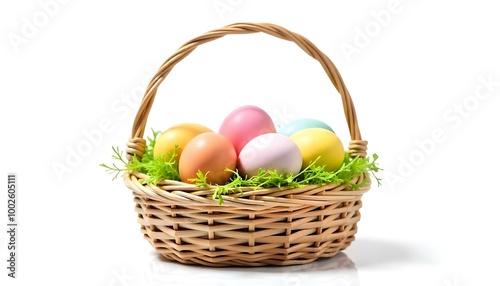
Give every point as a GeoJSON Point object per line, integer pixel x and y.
{"type": "Point", "coordinates": [269, 151]}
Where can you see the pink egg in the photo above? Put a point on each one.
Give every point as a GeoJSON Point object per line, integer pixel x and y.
{"type": "Point", "coordinates": [246, 123]}
{"type": "Point", "coordinates": [270, 151]}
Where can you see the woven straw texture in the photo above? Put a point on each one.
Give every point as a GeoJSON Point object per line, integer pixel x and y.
{"type": "Point", "coordinates": [256, 227]}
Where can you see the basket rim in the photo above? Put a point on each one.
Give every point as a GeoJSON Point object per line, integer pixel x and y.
{"type": "Point", "coordinates": [180, 193]}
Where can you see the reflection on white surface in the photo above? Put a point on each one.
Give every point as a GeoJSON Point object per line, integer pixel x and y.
{"type": "Point", "coordinates": [374, 258]}
{"type": "Point", "coordinates": [375, 253]}
{"type": "Point", "coordinates": [338, 270]}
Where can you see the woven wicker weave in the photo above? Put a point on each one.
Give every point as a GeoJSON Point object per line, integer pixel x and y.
{"type": "Point", "coordinates": [256, 227]}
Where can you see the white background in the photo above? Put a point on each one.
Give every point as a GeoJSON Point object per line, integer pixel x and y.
{"type": "Point", "coordinates": [69, 66]}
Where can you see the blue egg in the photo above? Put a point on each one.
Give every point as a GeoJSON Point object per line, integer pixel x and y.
{"type": "Point", "coordinates": [302, 123]}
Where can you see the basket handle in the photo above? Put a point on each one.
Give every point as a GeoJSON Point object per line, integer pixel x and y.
{"type": "Point", "coordinates": [137, 145]}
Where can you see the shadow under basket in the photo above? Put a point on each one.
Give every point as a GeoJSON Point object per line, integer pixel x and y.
{"type": "Point", "coordinates": [254, 227]}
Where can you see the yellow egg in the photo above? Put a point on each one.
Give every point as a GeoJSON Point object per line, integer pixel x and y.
{"type": "Point", "coordinates": [314, 142]}
{"type": "Point", "coordinates": [179, 135]}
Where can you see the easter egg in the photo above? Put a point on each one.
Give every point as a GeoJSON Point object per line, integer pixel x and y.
{"type": "Point", "coordinates": [179, 135]}
{"type": "Point", "coordinates": [245, 123]}
{"type": "Point", "coordinates": [314, 142]}
{"type": "Point", "coordinates": [210, 153]}
{"type": "Point", "coordinates": [269, 151]}
{"type": "Point", "coordinates": [302, 123]}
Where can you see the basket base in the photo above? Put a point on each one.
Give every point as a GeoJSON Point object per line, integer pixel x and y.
{"type": "Point", "coordinates": [275, 257]}
{"type": "Point", "coordinates": [245, 263]}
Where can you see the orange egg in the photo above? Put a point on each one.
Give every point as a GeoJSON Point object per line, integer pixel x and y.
{"type": "Point", "coordinates": [210, 153]}
{"type": "Point", "coordinates": [178, 135]}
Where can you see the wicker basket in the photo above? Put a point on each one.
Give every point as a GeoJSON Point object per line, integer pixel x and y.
{"type": "Point", "coordinates": [256, 227]}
